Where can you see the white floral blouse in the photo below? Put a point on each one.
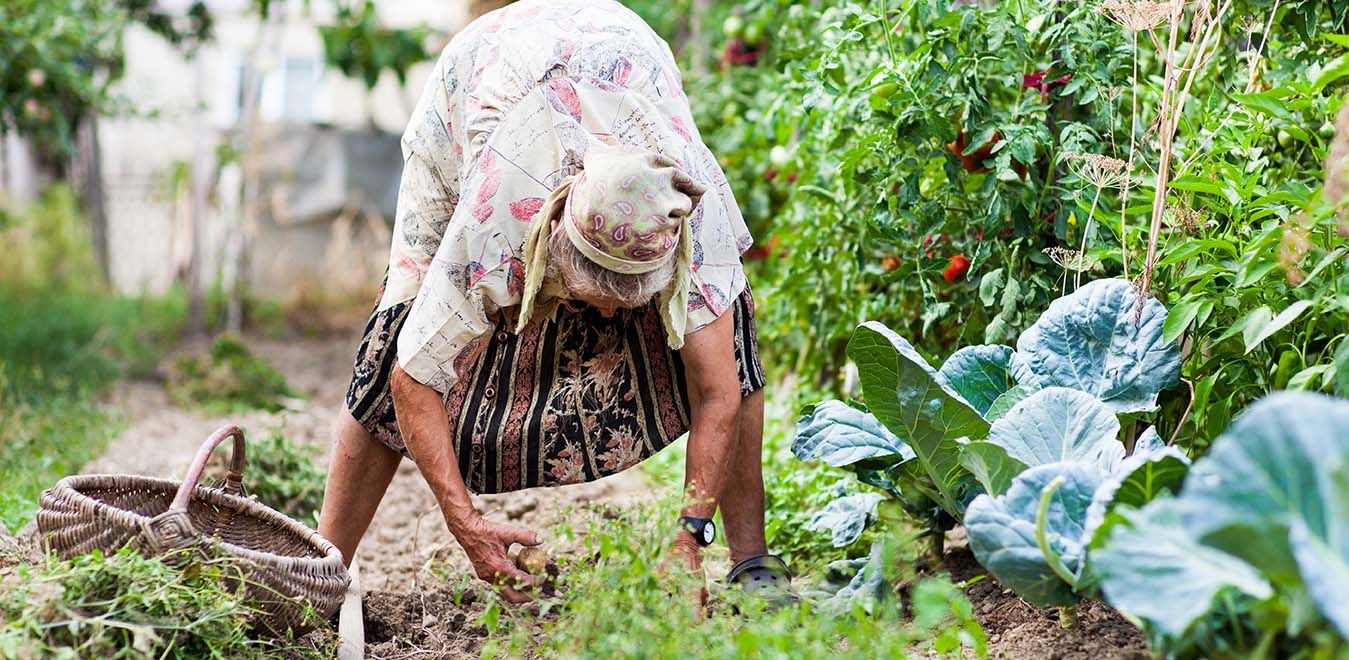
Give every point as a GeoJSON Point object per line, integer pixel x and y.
{"type": "Point", "coordinates": [507, 113]}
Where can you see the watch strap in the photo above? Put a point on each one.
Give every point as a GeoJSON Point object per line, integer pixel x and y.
{"type": "Point", "coordinates": [704, 531]}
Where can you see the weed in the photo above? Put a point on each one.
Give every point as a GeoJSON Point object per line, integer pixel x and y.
{"type": "Point", "coordinates": [126, 606]}
{"type": "Point", "coordinates": [792, 495]}
{"type": "Point", "coordinates": [229, 378]}
{"type": "Point", "coordinates": [617, 601]}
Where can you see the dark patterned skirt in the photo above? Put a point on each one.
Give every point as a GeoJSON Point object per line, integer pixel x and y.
{"type": "Point", "coordinates": [568, 400]}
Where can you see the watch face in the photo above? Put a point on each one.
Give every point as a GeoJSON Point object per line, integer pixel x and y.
{"type": "Point", "coordinates": [709, 533]}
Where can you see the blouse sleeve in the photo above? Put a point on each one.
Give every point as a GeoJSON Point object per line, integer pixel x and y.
{"type": "Point", "coordinates": [428, 191]}
{"type": "Point", "coordinates": [442, 332]}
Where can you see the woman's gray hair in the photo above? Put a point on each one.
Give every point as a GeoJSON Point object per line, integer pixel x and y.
{"type": "Point", "coordinates": [588, 278]}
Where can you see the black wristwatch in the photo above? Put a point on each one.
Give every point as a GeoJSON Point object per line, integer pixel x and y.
{"type": "Point", "coordinates": [702, 529]}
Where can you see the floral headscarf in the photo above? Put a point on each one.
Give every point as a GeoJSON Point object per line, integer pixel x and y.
{"type": "Point", "coordinates": [627, 210]}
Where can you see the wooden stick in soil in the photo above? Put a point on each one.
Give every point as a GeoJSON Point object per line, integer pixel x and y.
{"type": "Point", "coordinates": [350, 622]}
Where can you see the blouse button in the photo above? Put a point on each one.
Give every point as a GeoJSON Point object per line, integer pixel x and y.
{"type": "Point", "coordinates": [490, 391]}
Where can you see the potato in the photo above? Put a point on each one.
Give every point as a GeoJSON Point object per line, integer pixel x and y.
{"type": "Point", "coordinates": [532, 560]}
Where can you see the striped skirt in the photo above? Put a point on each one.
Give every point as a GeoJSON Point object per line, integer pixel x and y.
{"type": "Point", "coordinates": [567, 400]}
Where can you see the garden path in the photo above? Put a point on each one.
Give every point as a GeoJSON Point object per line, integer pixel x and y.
{"type": "Point", "coordinates": [407, 546]}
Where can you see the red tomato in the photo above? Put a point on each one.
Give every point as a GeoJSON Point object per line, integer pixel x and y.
{"type": "Point", "coordinates": [955, 271]}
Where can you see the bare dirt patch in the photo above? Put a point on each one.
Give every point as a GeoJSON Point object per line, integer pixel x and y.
{"type": "Point", "coordinates": [1017, 629]}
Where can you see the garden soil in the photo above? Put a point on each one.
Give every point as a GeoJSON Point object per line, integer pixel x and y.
{"type": "Point", "coordinates": [421, 601]}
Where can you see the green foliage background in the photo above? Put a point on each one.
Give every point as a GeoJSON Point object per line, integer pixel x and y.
{"type": "Point", "coordinates": [866, 99]}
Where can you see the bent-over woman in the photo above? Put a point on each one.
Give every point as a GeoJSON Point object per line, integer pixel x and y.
{"type": "Point", "coordinates": [564, 295]}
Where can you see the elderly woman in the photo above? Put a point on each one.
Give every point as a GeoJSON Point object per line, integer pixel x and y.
{"type": "Point", "coordinates": [564, 296]}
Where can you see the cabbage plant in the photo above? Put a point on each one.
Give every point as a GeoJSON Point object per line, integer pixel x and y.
{"type": "Point", "coordinates": [1252, 557]}
{"type": "Point", "coordinates": [1022, 444]}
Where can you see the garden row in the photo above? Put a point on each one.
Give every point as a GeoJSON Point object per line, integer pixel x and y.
{"type": "Point", "coordinates": [1044, 454]}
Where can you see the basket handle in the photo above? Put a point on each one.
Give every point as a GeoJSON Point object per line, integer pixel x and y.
{"type": "Point", "coordinates": [234, 480]}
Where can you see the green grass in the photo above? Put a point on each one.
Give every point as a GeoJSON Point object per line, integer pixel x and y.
{"type": "Point", "coordinates": [59, 350]}
{"type": "Point", "coordinates": [617, 602]}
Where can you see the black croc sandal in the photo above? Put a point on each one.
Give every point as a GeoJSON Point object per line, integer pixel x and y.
{"type": "Point", "coordinates": [766, 577]}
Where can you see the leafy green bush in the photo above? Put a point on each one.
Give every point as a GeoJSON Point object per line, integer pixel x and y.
{"type": "Point", "coordinates": [229, 378]}
{"type": "Point", "coordinates": [885, 155]}
{"type": "Point", "coordinates": [358, 46]}
{"type": "Point", "coordinates": [62, 57]}
{"type": "Point", "coordinates": [48, 243]}
{"type": "Point", "coordinates": [1251, 559]}
{"type": "Point", "coordinates": [127, 606]}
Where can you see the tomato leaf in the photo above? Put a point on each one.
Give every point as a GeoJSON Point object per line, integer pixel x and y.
{"type": "Point", "coordinates": [1264, 323]}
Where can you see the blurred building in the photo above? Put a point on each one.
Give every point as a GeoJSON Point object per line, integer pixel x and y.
{"type": "Point", "coordinates": [329, 158]}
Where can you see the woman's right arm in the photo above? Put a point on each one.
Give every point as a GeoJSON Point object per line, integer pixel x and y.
{"type": "Point", "coordinates": [426, 432]}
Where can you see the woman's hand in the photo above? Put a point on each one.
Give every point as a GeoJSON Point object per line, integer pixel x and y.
{"type": "Point", "coordinates": [421, 418]}
{"type": "Point", "coordinates": [685, 561]}
{"type": "Point", "coordinates": [487, 545]}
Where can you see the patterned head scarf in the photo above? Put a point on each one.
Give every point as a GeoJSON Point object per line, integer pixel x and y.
{"type": "Point", "coordinates": [628, 211]}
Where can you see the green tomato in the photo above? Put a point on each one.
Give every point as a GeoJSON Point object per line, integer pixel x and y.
{"type": "Point", "coordinates": [884, 90]}
{"type": "Point", "coordinates": [1327, 130]}
{"type": "Point", "coordinates": [1284, 138]}
{"type": "Point", "coordinates": [754, 33]}
{"type": "Point", "coordinates": [732, 26]}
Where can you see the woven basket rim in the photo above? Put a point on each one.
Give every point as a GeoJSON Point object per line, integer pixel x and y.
{"type": "Point", "coordinates": [329, 561]}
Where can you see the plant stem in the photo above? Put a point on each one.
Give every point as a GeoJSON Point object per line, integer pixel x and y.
{"type": "Point", "coordinates": [1165, 132]}
{"type": "Point", "coordinates": [1042, 536]}
{"type": "Point", "coordinates": [1129, 169]}
{"type": "Point", "coordinates": [1086, 230]}
{"type": "Point", "coordinates": [885, 27]}
{"type": "Point", "coordinates": [938, 547]}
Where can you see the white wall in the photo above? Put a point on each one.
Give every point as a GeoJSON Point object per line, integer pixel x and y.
{"type": "Point", "coordinates": [185, 105]}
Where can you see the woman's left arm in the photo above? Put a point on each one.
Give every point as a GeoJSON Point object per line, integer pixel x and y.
{"type": "Point", "coordinates": [714, 393]}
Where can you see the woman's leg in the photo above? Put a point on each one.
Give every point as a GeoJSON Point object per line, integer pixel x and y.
{"type": "Point", "coordinates": [359, 472]}
{"type": "Point", "coordinates": [742, 501]}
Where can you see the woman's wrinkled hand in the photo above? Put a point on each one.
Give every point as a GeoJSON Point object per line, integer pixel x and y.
{"type": "Point", "coordinates": [487, 545]}
{"type": "Point", "coordinates": [685, 562]}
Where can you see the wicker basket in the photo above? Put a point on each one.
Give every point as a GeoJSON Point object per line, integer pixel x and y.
{"type": "Point", "coordinates": [286, 564]}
